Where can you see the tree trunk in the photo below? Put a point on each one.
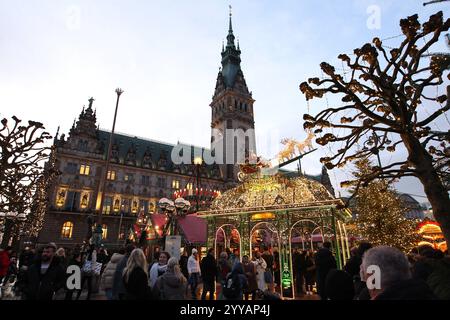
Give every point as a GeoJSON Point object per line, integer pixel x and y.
{"type": "Point", "coordinates": [432, 184]}
{"type": "Point", "coordinates": [7, 233]}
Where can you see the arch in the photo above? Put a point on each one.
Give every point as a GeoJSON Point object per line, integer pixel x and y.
{"type": "Point", "coordinates": [67, 230]}
{"type": "Point", "coordinates": [233, 227]}
{"type": "Point", "coordinates": [317, 226]}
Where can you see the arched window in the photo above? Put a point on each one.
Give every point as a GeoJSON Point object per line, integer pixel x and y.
{"type": "Point", "coordinates": [66, 231]}
{"type": "Point", "coordinates": [105, 231]}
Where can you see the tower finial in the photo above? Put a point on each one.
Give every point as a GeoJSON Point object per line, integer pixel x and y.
{"type": "Point", "coordinates": [230, 28]}
{"type": "Point", "coordinates": [91, 101]}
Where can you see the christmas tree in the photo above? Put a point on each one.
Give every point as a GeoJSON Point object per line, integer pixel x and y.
{"type": "Point", "coordinates": [381, 213]}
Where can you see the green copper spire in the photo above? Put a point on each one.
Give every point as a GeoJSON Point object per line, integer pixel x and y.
{"type": "Point", "coordinates": [230, 36]}
{"type": "Point", "coordinates": [231, 57]}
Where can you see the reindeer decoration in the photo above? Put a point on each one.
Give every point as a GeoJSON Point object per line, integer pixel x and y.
{"type": "Point", "coordinates": [293, 147]}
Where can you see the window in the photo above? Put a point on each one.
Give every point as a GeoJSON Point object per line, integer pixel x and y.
{"type": "Point", "coordinates": [111, 175]}
{"type": "Point", "coordinates": [71, 168]}
{"type": "Point", "coordinates": [126, 205]}
{"type": "Point", "coordinates": [145, 180]}
{"type": "Point", "coordinates": [129, 177]}
{"type": "Point", "coordinates": [66, 231]}
{"type": "Point", "coordinates": [189, 186]}
{"type": "Point", "coordinates": [85, 169]}
{"type": "Point", "coordinates": [105, 231]}
{"type": "Point", "coordinates": [143, 206]}
{"type": "Point", "coordinates": [107, 204]}
{"type": "Point", "coordinates": [161, 182]}
{"type": "Point", "coordinates": [175, 184]}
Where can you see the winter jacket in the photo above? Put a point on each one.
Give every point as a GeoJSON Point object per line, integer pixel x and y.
{"type": "Point", "coordinates": [183, 265]}
{"type": "Point", "coordinates": [4, 263]}
{"type": "Point", "coordinates": [107, 279]}
{"type": "Point", "coordinates": [26, 259]}
{"type": "Point", "coordinates": [224, 269]}
{"type": "Point", "coordinates": [193, 265]}
{"type": "Point", "coordinates": [238, 273]}
{"type": "Point", "coordinates": [439, 279]}
{"type": "Point", "coordinates": [137, 286]}
{"type": "Point", "coordinates": [352, 266]}
{"type": "Point", "coordinates": [324, 262]}
{"type": "Point", "coordinates": [208, 268]}
{"type": "Point", "coordinates": [170, 286]}
{"type": "Point", "coordinates": [118, 289]}
{"type": "Point", "coordinates": [154, 272]}
{"type": "Point", "coordinates": [250, 273]}
{"type": "Point", "coordinates": [43, 287]}
{"type": "Point", "coordinates": [411, 289]}
{"type": "Point", "coordinates": [268, 258]}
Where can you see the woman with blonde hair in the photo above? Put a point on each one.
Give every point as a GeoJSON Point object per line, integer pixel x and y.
{"type": "Point", "coordinates": [135, 277]}
{"type": "Point", "coordinates": [172, 284]}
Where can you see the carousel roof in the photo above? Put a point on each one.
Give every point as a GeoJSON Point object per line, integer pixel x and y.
{"type": "Point", "coordinates": [259, 193]}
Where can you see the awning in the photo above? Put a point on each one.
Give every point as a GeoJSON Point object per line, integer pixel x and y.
{"type": "Point", "coordinates": [194, 229]}
{"type": "Point", "coordinates": [159, 221]}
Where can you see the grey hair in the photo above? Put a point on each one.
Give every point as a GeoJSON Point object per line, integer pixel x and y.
{"type": "Point", "coordinates": [173, 266]}
{"type": "Point", "coordinates": [393, 264]}
{"type": "Point", "coordinates": [223, 255]}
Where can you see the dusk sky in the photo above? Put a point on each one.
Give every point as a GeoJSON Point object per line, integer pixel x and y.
{"type": "Point", "coordinates": [55, 54]}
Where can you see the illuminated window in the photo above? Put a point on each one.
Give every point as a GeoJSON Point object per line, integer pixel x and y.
{"type": "Point", "coordinates": [85, 169]}
{"type": "Point", "coordinates": [105, 231]}
{"type": "Point", "coordinates": [175, 184]}
{"type": "Point", "coordinates": [66, 231]}
{"type": "Point", "coordinates": [107, 204]}
{"type": "Point", "coordinates": [189, 186]}
{"type": "Point", "coordinates": [111, 175]}
{"type": "Point", "coordinates": [128, 177]}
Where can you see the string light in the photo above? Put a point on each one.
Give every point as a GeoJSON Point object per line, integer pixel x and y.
{"type": "Point", "coordinates": [381, 215]}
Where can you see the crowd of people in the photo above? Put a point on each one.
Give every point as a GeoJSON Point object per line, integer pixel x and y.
{"type": "Point", "coordinates": [423, 274]}
{"type": "Point", "coordinates": [127, 274]}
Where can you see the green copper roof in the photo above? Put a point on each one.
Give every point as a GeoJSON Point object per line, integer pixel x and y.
{"type": "Point", "coordinates": [231, 59]}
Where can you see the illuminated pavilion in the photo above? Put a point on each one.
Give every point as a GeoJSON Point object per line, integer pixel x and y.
{"type": "Point", "coordinates": [293, 210]}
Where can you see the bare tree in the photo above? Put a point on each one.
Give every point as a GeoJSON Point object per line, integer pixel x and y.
{"type": "Point", "coordinates": [388, 106]}
{"type": "Point", "coordinates": [21, 163]}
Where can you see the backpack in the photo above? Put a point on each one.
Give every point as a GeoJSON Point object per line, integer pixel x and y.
{"type": "Point", "coordinates": [232, 287]}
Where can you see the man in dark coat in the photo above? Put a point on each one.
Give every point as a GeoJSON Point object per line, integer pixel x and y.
{"type": "Point", "coordinates": [324, 261]}
{"type": "Point", "coordinates": [208, 268]}
{"type": "Point", "coordinates": [352, 267]}
{"type": "Point", "coordinates": [183, 264]}
{"type": "Point", "coordinates": [44, 277]}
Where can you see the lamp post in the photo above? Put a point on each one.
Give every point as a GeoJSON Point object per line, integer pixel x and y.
{"type": "Point", "coordinates": [375, 140]}
{"type": "Point", "coordinates": [97, 237]}
{"type": "Point", "coordinates": [198, 162]}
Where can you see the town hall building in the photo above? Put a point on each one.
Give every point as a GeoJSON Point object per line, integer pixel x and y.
{"type": "Point", "coordinates": [141, 170]}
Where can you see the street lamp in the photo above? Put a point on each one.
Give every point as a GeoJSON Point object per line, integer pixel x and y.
{"type": "Point", "coordinates": [97, 236]}
{"type": "Point", "coordinates": [375, 141]}
{"type": "Point", "coordinates": [173, 209]}
{"type": "Point", "coordinates": [197, 162]}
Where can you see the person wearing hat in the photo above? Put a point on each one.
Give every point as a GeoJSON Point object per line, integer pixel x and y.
{"type": "Point", "coordinates": [194, 272]}
{"type": "Point", "coordinates": [44, 277]}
